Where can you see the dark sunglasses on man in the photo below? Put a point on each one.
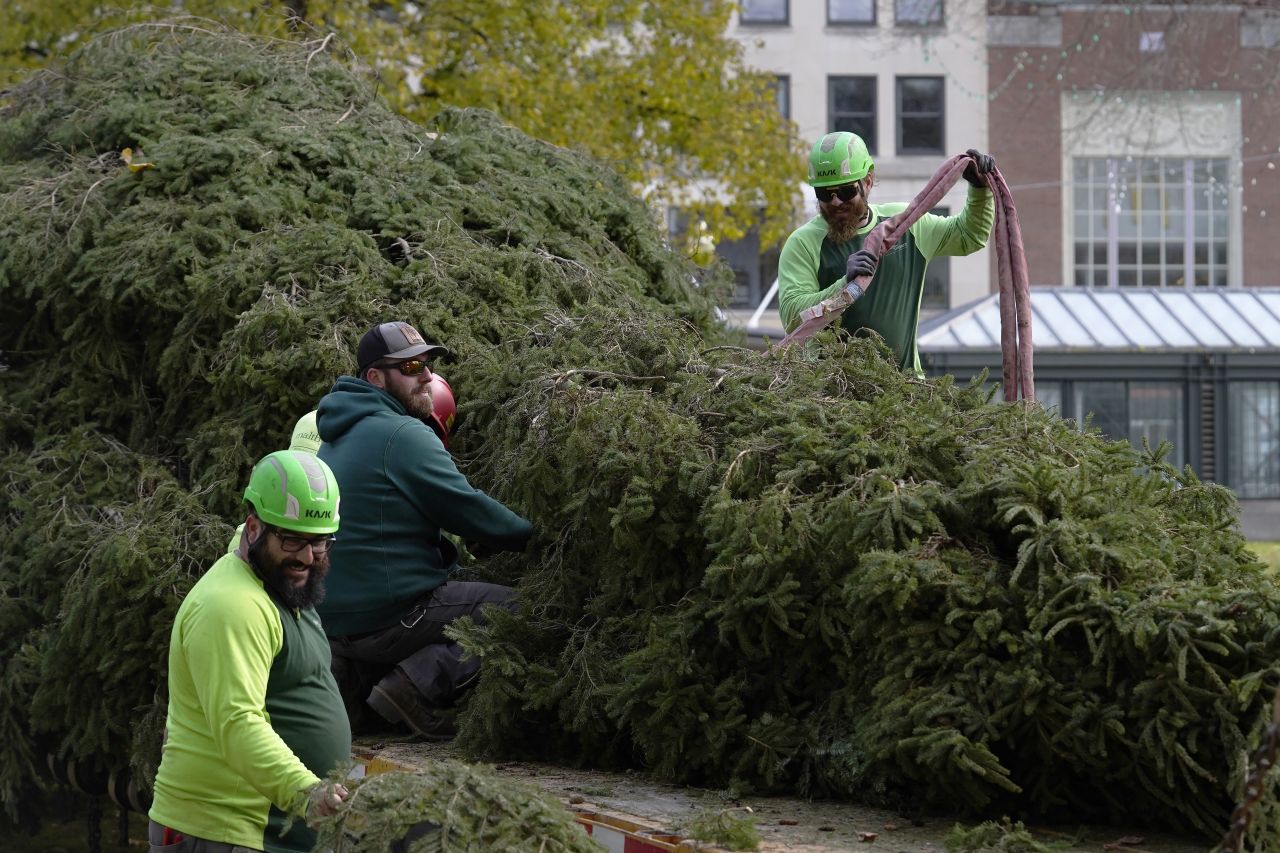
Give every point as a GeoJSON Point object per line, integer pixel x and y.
{"type": "Point", "coordinates": [846, 192]}
{"type": "Point", "coordinates": [412, 367]}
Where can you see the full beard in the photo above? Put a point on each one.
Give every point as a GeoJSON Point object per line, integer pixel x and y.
{"type": "Point", "coordinates": [843, 222]}
{"type": "Point", "coordinates": [274, 574]}
{"type": "Point", "coordinates": [416, 403]}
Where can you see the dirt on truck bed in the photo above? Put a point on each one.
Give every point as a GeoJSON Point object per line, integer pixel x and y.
{"type": "Point", "coordinates": [784, 823]}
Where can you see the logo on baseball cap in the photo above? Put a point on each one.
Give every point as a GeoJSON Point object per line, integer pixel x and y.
{"type": "Point", "coordinates": [394, 340]}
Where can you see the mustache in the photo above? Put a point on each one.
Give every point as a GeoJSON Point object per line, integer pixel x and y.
{"type": "Point", "coordinates": [848, 209]}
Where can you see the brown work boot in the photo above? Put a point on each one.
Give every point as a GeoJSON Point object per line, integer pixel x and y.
{"type": "Point", "coordinates": [398, 701]}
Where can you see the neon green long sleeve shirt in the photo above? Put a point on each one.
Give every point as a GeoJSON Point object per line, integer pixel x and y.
{"type": "Point", "coordinates": [812, 268]}
{"type": "Point", "coordinates": [255, 717]}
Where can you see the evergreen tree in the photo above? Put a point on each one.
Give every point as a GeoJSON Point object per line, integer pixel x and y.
{"type": "Point", "coordinates": [655, 88]}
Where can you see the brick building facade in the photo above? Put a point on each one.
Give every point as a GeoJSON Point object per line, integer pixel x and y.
{"type": "Point", "coordinates": [1166, 116]}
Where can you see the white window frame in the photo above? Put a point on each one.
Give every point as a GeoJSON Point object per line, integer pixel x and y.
{"type": "Point", "coordinates": [899, 114]}
{"type": "Point", "coordinates": [1122, 206]}
{"type": "Point", "coordinates": [782, 94]}
{"type": "Point", "coordinates": [1189, 125]}
{"type": "Point", "coordinates": [764, 22]}
{"type": "Point", "coordinates": [848, 22]}
{"type": "Point", "coordinates": [871, 139]}
{"type": "Point", "coordinates": [898, 20]}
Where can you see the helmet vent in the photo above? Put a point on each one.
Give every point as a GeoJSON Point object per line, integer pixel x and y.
{"type": "Point", "coordinates": [315, 474]}
{"type": "Point", "coordinates": [284, 477]}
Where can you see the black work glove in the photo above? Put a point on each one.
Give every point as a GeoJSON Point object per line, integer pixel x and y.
{"type": "Point", "coordinates": [861, 262]}
{"type": "Point", "coordinates": [979, 167]}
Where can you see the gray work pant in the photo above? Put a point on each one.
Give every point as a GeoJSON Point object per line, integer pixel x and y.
{"type": "Point", "coordinates": [417, 645]}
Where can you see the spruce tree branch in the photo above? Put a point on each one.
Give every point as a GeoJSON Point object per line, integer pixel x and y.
{"type": "Point", "coordinates": [727, 346]}
{"type": "Point", "coordinates": [1263, 759]}
{"type": "Point", "coordinates": [84, 201]}
{"type": "Point", "coordinates": [728, 474]}
{"type": "Point", "coordinates": [319, 49]}
{"type": "Point", "coordinates": [560, 378]}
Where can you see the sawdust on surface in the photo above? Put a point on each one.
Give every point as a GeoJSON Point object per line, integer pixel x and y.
{"type": "Point", "coordinates": [784, 823]}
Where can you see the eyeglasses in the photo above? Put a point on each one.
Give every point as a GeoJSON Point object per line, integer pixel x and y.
{"type": "Point", "coordinates": [846, 193]}
{"type": "Point", "coordinates": [412, 367]}
{"type": "Point", "coordinates": [293, 544]}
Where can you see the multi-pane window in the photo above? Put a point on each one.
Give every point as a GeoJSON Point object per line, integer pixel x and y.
{"type": "Point", "coordinates": [851, 105]}
{"type": "Point", "coordinates": [1134, 411]}
{"type": "Point", "coordinates": [1105, 405]}
{"type": "Point", "coordinates": [1150, 221]}
{"type": "Point", "coordinates": [1049, 396]}
{"type": "Point", "coordinates": [1253, 429]}
{"type": "Point", "coordinates": [937, 277]}
{"type": "Point", "coordinates": [782, 92]}
{"type": "Point", "coordinates": [921, 115]}
{"type": "Point", "coordinates": [764, 11]}
{"type": "Point", "coordinates": [918, 13]}
{"type": "Point", "coordinates": [1155, 411]}
{"type": "Point", "coordinates": [851, 11]}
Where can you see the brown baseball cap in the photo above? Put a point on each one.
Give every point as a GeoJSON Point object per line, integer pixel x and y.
{"type": "Point", "coordinates": [394, 340]}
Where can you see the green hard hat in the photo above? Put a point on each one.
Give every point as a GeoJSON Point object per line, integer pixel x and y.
{"type": "Point", "coordinates": [305, 435]}
{"type": "Point", "coordinates": [294, 490]}
{"type": "Point", "coordinates": [839, 158]}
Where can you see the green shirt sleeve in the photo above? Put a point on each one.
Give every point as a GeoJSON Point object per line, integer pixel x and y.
{"type": "Point", "coordinates": [229, 649]}
{"type": "Point", "coordinates": [798, 285]}
{"type": "Point", "coordinates": [962, 234]}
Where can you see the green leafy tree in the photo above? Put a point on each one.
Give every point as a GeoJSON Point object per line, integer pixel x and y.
{"type": "Point", "coordinates": [654, 87]}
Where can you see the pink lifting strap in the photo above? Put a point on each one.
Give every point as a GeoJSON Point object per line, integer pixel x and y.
{"type": "Point", "coordinates": [1011, 262]}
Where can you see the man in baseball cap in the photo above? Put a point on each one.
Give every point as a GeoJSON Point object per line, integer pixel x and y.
{"type": "Point", "coordinates": [394, 341]}
{"type": "Point", "coordinates": [391, 592]}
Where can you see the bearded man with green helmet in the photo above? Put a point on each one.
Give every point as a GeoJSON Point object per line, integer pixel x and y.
{"type": "Point", "coordinates": [255, 719]}
{"type": "Point", "coordinates": [823, 255]}
{"type": "Point", "coordinates": [304, 439]}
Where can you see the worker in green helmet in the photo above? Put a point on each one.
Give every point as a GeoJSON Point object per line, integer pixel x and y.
{"type": "Point", "coordinates": [304, 438]}
{"type": "Point", "coordinates": [823, 255]}
{"type": "Point", "coordinates": [305, 435]}
{"type": "Point", "coordinates": [255, 719]}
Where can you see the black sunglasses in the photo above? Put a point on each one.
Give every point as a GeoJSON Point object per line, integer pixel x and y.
{"type": "Point", "coordinates": [293, 544]}
{"type": "Point", "coordinates": [412, 367]}
{"type": "Point", "coordinates": [847, 193]}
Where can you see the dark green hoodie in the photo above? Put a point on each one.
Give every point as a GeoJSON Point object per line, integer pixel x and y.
{"type": "Point", "coordinates": [400, 489]}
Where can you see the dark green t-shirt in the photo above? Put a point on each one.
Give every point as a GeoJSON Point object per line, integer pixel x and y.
{"type": "Point", "coordinates": [306, 710]}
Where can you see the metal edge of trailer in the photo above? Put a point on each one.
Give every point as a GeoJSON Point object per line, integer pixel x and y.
{"type": "Point", "coordinates": [617, 832]}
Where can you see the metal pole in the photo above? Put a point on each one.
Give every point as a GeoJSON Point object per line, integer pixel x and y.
{"type": "Point", "coordinates": [764, 303]}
